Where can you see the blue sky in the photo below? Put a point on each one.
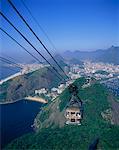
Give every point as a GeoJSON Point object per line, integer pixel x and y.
{"type": "Point", "coordinates": [70, 24]}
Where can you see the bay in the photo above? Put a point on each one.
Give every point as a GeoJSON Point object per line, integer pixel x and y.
{"type": "Point", "coordinates": [17, 119]}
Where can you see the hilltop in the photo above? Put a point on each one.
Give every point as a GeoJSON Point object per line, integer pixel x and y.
{"type": "Point", "coordinates": [98, 122]}
{"type": "Point", "coordinates": [24, 85]}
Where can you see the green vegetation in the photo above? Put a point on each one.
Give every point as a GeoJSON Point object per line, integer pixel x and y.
{"type": "Point", "coordinates": [102, 72]}
{"type": "Point", "coordinates": [110, 138]}
{"type": "Point", "coordinates": [65, 96]}
{"type": "Point", "coordinates": [5, 84]}
{"type": "Point", "coordinates": [3, 96]}
{"type": "Point", "coordinates": [3, 93]}
{"type": "Point", "coordinates": [66, 138]}
{"type": "Point", "coordinates": [24, 85]}
{"type": "Point", "coordinates": [95, 101]}
{"type": "Point", "coordinates": [44, 115]}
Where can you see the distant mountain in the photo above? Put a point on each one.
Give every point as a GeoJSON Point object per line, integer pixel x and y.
{"type": "Point", "coordinates": [110, 55]}
{"type": "Point", "coordinates": [61, 61]}
{"type": "Point", "coordinates": [74, 61]}
{"type": "Point", "coordinates": [82, 55]}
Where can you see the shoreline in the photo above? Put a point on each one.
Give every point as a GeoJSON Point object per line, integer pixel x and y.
{"type": "Point", "coordinates": [37, 99]}
{"type": "Point", "coordinates": [2, 81]}
{"type": "Point", "coordinates": [10, 102]}
{"type": "Point", "coordinates": [29, 98]}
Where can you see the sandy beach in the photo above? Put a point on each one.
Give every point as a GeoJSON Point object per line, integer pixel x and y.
{"type": "Point", "coordinates": [38, 99]}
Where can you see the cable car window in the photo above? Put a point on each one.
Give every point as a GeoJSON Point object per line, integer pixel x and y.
{"type": "Point", "coordinates": [72, 113]}
{"type": "Point", "coordinates": [77, 114]}
{"type": "Point", "coordinates": [72, 120]}
{"type": "Point", "coordinates": [67, 113]}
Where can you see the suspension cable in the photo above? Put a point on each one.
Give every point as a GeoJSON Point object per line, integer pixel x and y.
{"type": "Point", "coordinates": [36, 37]}
{"type": "Point", "coordinates": [40, 27]}
{"type": "Point", "coordinates": [19, 44]}
{"type": "Point", "coordinates": [6, 67]}
{"type": "Point", "coordinates": [11, 62]}
{"type": "Point", "coordinates": [30, 44]}
{"type": "Point", "coordinates": [26, 50]}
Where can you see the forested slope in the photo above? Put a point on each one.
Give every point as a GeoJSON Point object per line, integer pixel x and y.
{"type": "Point", "coordinates": [55, 135]}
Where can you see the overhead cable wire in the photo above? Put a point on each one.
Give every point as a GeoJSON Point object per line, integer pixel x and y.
{"type": "Point", "coordinates": [25, 49]}
{"type": "Point", "coordinates": [11, 62]}
{"type": "Point", "coordinates": [38, 24]}
{"type": "Point", "coordinates": [31, 44]}
{"type": "Point", "coordinates": [6, 67]}
{"type": "Point", "coordinates": [9, 57]}
{"type": "Point", "coordinates": [36, 36]}
{"type": "Point", "coordinates": [19, 44]}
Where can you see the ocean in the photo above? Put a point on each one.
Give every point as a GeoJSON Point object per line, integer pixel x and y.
{"type": "Point", "coordinates": [16, 118]}
{"type": "Point", "coordinates": [7, 71]}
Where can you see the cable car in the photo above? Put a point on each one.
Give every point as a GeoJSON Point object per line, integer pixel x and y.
{"type": "Point", "coordinates": [74, 110]}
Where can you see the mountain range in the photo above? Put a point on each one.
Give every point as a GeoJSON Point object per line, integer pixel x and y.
{"type": "Point", "coordinates": [110, 55]}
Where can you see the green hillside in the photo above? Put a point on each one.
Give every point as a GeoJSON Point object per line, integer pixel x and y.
{"type": "Point", "coordinates": [102, 72]}
{"type": "Point", "coordinates": [53, 134]}
{"type": "Point", "coordinates": [24, 85]}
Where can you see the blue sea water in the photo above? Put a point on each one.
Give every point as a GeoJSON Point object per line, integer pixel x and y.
{"type": "Point", "coordinates": [16, 119]}
{"type": "Point", "coordinates": [7, 71]}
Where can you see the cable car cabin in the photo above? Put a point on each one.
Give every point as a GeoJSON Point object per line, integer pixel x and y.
{"type": "Point", "coordinates": [73, 112]}
{"type": "Point", "coordinates": [73, 115]}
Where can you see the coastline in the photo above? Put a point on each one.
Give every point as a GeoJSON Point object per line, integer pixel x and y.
{"type": "Point", "coordinates": [26, 112]}
{"type": "Point", "coordinates": [2, 81]}
{"type": "Point", "coordinates": [29, 98]}
{"type": "Point", "coordinates": [37, 99]}
{"type": "Point", "coordinates": [10, 102]}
